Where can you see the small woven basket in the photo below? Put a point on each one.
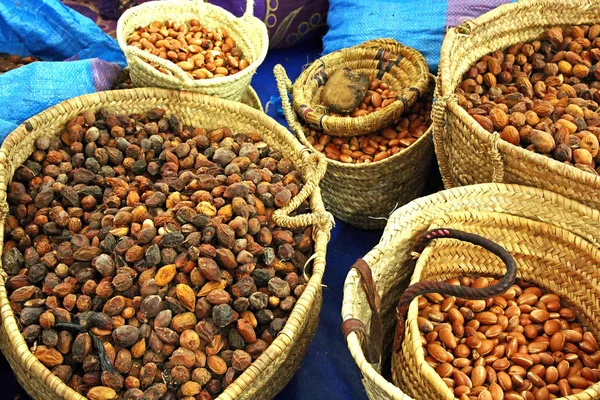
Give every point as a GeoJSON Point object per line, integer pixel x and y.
{"type": "Point", "coordinates": [467, 153]}
{"type": "Point", "coordinates": [364, 195]}
{"type": "Point", "coordinates": [274, 368]}
{"type": "Point", "coordinates": [249, 33]}
{"type": "Point", "coordinates": [553, 239]}
{"type": "Point", "coordinates": [404, 68]}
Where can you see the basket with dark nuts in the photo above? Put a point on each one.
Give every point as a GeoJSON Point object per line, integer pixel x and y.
{"type": "Point", "coordinates": [142, 256]}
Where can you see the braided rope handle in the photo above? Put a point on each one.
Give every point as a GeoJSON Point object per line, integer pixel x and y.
{"type": "Point", "coordinates": [4, 211]}
{"type": "Point", "coordinates": [249, 9]}
{"type": "Point", "coordinates": [314, 160]}
{"type": "Point", "coordinates": [464, 292]}
{"type": "Point", "coordinates": [166, 64]}
{"type": "Point", "coordinates": [438, 118]}
{"type": "Point", "coordinates": [285, 87]}
{"type": "Point", "coordinates": [316, 165]}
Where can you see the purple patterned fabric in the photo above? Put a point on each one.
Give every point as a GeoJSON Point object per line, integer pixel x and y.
{"type": "Point", "coordinates": [289, 22]}
{"type": "Point", "coordinates": [98, 14]}
{"type": "Point", "coordinates": [463, 10]}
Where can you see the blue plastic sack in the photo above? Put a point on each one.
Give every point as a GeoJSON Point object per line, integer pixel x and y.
{"type": "Point", "coordinates": [420, 24]}
{"type": "Point", "coordinates": [78, 58]}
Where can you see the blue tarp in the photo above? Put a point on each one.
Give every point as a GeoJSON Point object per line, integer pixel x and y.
{"type": "Point", "coordinates": [51, 31]}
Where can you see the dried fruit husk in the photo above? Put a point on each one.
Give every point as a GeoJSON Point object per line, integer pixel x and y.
{"type": "Point", "coordinates": [344, 90]}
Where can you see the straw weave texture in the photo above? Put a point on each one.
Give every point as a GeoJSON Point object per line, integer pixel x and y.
{"type": "Point", "coordinates": [275, 367]}
{"type": "Point", "coordinates": [404, 68]}
{"type": "Point", "coordinates": [554, 239]}
{"type": "Point", "coordinates": [364, 195]}
{"type": "Point", "coordinates": [467, 153]}
{"type": "Point", "coordinates": [249, 33]}
{"type": "Point", "coordinates": [250, 98]}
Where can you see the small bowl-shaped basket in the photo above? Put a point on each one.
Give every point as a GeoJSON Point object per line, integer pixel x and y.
{"type": "Point", "coordinates": [403, 68]}
{"type": "Point", "coordinates": [364, 195]}
{"type": "Point", "coordinates": [249, 33]}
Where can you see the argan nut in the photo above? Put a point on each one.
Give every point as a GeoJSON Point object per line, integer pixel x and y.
{"type": "Point", "coordinates": [589, 142]}
{"type": "Point", "coordinates": [511, 135]}
{"type": "Point", "coordinates": [499, 118]}
{"type": "Point", "coordinates": [582, 156]}
{"type": "Point", "coordinates": [102, 393]}
{"type": "Point", "coordinates": [543, 142]}
{"type": "Point", "coordinates": [485, 122]}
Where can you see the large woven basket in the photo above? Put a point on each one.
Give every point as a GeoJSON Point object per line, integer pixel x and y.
{"type": "Point", "coordinates": [553, 239]}
{"type": "Point", "coordinates": [469, 154]}
{"type": "Point", "coordinates": [364, 195]}
{"type": "Point", "coordinates": [275, 367]}
{"type": "Point", "coordinates": [404, 68]}
{"type": "Point", "coordinates": [249, 33]}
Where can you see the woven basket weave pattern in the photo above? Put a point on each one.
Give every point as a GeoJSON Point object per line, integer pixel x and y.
{"type": "Point", "coordinates": [402, 67]}
{"type": "Point", "coordinates": [249, 33]}
{"type": "Point", "coordinates": [364, 195]}
{"type": "Point", "coordinates": [505, 213]}
{"type": "Point", "coordinates": [467, 153]}
{"type": "Point", "coordinates": [273, 369]}
{"type": "Point", "coordinates": [553, 258]}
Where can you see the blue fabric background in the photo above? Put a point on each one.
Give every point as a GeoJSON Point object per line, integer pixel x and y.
{"type": "Point", "coordinates": [420, 24]}
{"type": "Point", "coordinates": [416, 23]}
{"type": "Point", "coordinates": [53, 32]}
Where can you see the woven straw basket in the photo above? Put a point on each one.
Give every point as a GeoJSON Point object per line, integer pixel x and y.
{"type": "Point", "coordinates": [250, 98]}
{"type": "Point", "coordinates": [249, 33]}
{"type": "Point", "coordinates": [364, 195]}
{"type": "Point", "coordinates": [553, 239]}
{"type": "Point", "coordinates": [404, 68]}
{"type": "Point", "coordinates": [467, 153]}
{"type": "Point", "coordinates": [275, 367]}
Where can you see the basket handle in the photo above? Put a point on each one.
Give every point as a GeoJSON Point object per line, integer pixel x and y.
{"type": "Point", "coordinates": [249, 9]}
{"type": "Point", "coordinates": [314, 160]}
{"type": "Point", "coordinates": [462, 292]}
{"type": "Point", "coordinates": [374, 341]}
{"type": "Point", "coordinates": [168, 65]}
{"type": "Point", "coordinates": [285, 87]}
{"type": "Point", "coordinates": [379, 43]}
{"type": "Point", "coordinates": [315, 164]}
{"type": "Point", "coordinates": [438, 117]}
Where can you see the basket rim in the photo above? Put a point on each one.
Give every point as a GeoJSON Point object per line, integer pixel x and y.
{"type": "Point", "coordinates": [149, 6]}
{"type": "Point", "coordinates": [415, 207]}
{"type": "Point", "coordinates": [340, 56]}
{"type": "Point", "coordinates": [300, 312]}
{"type": "Point", "coordinates": [515, 221]}
{"type": "Point", "coordinates": [460, 36]}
